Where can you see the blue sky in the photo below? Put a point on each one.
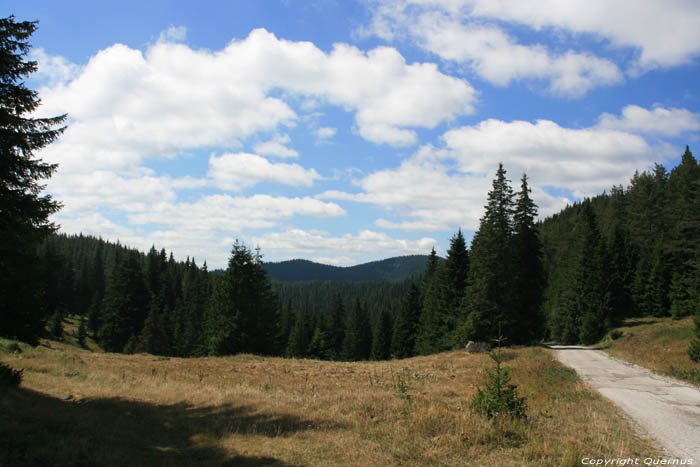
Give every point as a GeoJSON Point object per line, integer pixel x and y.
{"type": "Point", "coordinates": [350, 131]}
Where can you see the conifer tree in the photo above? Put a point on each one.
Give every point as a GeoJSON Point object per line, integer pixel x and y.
{"type": "Point", "coordinates": [357, 343]}
{"type": "Point", "coordinates": [457, 265]}
{"type": "Point", "coordinates": [318, 345]}
{"type": "Point", "coordinates": [242, 314]}
{"type": "Point", "coordinates": [403, 340]}
{"type": "Point", "coordinates": [125, 303]}
{"type": "Point", "coordinates": [489, 299]}
{"type": "Point", "coordinates": [381, 336]}
{"type": "Point", "coordinates": [24, 211]}
{"type": "Point", "coordinates": [434, 333]}
{"type": "Point", "coordinates": [528, 273]}
{"type": "Point", "coordinates": [336, 327]}
{"type": "Point", "coordinates": [153, 339]}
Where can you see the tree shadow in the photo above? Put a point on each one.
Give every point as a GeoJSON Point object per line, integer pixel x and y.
{"type": "Point", "coordinates": [632, 322]}
{"type": "Point", "coordinates": [40, 430]}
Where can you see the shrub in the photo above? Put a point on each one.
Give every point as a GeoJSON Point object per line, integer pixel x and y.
{"type": "Point", "coordinates": [9, 376]}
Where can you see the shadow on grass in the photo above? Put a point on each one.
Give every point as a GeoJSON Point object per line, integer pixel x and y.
{"type": "Point", "coordinates": [40, 430]}
{"type": "Point", "coordinates": [632, 322]}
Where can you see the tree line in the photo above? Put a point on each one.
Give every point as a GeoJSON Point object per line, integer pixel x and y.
{"type": "Point", "coordinates": [630, 252]}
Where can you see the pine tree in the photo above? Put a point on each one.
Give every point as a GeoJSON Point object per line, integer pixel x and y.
{"type": "Point", "coordinates": [433, 333]}
{"type": "Point", "coordinates": [528, 273]}
{"type": "Point", "coordinates": [403, 340]}
{"type": "Point", "coordinates": [357, 344]}
{"type": "Point", "coordinates": [242, 315]}
{"type": "Point", "coordinates": [125, 304]}
{"type": "Point", "coordinates": [457, 264]}
{"type": "Point", "coordinates": [82, 332]}
{"type": "Point", "coordinates": [153, 339]}
{"type": "Point", "coordinates": [56, 325]}
{"type": "Point", "coordinates": [24, 211]}
{"type": "Point", "coordinates": [489, 301]}
{"type": "Point", "coordinates": [336, 327]}
{"type": "Point", "coordinates": [381, 336]}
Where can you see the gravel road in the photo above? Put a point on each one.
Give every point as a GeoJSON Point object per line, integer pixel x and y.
{"type": "Point", "coordinates": [668, 410]}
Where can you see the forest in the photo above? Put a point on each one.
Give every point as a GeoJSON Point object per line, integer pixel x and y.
{"type": "Point", "coordinates": [631, 252]}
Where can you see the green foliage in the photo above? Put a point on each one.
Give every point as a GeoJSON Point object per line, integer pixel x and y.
{"type": "Point", "coordinates": [381, 336]}
{"type": "Point", "coordinates": [24, 211]}
{"type": "Point", "coordinates": [56, 325]}
{"type": "Point", "coordinates": [9, 376]}
{"type": "Point", "coordinates": [82, 332]}
{"type": "Point", "coordinates": [357, 344]}
{"type": "Point", "coordinates": [403, 339]}
{"type": "Point", "coordinates": [499, 398]}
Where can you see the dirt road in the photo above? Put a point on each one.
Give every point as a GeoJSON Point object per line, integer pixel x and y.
{"type": "Point", "coordinates": [668, 410]}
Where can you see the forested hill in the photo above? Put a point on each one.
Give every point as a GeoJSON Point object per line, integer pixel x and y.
{"type": "Point", "coordinates": [391, 269]}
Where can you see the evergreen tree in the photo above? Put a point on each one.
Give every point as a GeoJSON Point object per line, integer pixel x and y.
{"type": "Point", "coordinates": [242, 315]}
{"type": "Point", "coordinates": [489, 301]}
{"type": "Point", "coordinates": [528, 274]}
{"type": "Point", "coordinates": [436, 315]}
{"type": "Point", "coordinates": [125, 303]}
{"type": "Point", "coordinates": [381, 336]}
{"type": "Point", "coordinates": [300, 335]}
{"type": "Point", "coordinates": [403, 340]}
{"type": "Point", "coordinates": [82, 332]}
{"type": "Point", "coordinates": [357, 344]}
{"type": "Point", "coordinates": [318, 345]}
{"type": "Point", "coordinates": [24, 211]}
{"type": "Point", "coordinates": [457, 265]}
{"type": "Point", "coordinates": [336, 327]}
{"type": "Point", "coordinates": [152, 338]}
{"type": "Point", "coordinates": [56, 324]}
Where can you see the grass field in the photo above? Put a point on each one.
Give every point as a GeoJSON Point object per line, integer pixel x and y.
{"type": "Point", "coordinates": [659, 344]}
{"type": "Point", "coordinates": [77, 407]}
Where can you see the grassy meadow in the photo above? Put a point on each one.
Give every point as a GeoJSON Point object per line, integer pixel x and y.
{"type": "Point", "coordinates": [660, 344]}
{"type": "Point", "coordinates": [80, 407]}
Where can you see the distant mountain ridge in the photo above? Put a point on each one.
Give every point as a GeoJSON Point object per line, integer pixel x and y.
{"type": "Point", "coordinates": [390, 270]}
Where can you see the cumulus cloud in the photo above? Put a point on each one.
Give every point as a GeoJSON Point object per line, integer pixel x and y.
{"type": "Point", "coordinates": [276, 147]}
{"type": "Point", "coordinates": [237, 171]}
{"type": "Point", "coordinates": [445, 188]}
{"type": "Point", "coordinates": [665, 33]}
{"type": "Point", "coordinates": [657, 121]}
{"type": "Point", "coordinates": [472, 32]}
{"type": "Point", "coordinates": [52, 70]}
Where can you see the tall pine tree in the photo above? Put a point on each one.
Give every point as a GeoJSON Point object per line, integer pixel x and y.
{"type": "Point", "coordinates": [24, 211]}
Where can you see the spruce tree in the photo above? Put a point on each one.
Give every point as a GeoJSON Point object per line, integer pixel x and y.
{"type": "Point", "coordinates": [381, 336]}
{"type": "Point", "coordinates": [403, 339]}
{"type": "Point", "coordinates": [357, 344]}
{"type": "Point", "coordinates": [489, 301]}
{"type": "Point", "coordinates": [24, 211]}
{"type": "Point", "coordinates": [241, 317]}
{"type": "Point", "coordinates": [528, 272]}
{"type": "Point", "coordinates": [336, 327]}
{"type": "Point", "coordinates": [153, 339]}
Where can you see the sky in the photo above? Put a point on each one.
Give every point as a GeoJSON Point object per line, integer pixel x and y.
{"type": "Point", "coordinates": [346, 131]}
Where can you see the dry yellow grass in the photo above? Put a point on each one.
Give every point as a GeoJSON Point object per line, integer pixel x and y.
{"type": "Point", "coordinates": [76, 407]}
{"type": "Point", "coordinates": [660, 344]}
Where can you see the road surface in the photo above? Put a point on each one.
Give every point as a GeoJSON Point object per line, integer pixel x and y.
{"type": "Point", "coordinates": [668, 410]}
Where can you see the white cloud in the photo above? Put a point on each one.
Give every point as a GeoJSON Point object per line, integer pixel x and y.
{"type": "Point", "coordinates": [125, 104]}
{"type": "Point", "coordinates": [657, 121]}
{"type": "Point", "coordinates": [325, 134]}
{"type": "Point", "coordinates": [472, 32]}
{"type": "Point", "coordinates": [314, 242]}
{"type": "Point", "coordinates": [237, 171]}
{"type": "Point", "coordinates": [445, 188]}
{"type": "Point", "coordinates": [52, 70]}
{"type": "Point", "coordinates": [276, 147]}
{"type": "Point", "coordinates": [665, 33]}
{"type": "Point", "coordinates": [173, 34]}
{"type": "Point", "coordinates": [452, 33]}
{"type": "Point", "coordinates": [585, 161]}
